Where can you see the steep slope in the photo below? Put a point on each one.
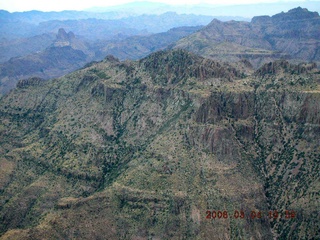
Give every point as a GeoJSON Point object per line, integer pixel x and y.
{"type": "Point", "coordinates": [292, 35]}
{"type": "Point", "coordinates": [138, 150]}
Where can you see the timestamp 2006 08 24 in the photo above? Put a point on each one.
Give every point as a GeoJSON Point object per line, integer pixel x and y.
{"type": "Point", "coordinates": [274, 214]}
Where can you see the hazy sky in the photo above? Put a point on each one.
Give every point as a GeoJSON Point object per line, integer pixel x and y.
{"type": "Point", "coordinates": [58, 5]}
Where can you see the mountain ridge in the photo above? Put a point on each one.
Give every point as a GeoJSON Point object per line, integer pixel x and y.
{"type": "Point", "coordinates": [128, 48]}
{"type": "Point", "coordinates": [111, 145]}
{"type": "Point", "coordinates": [283, 35]}
{"type": "Point", "coordinates": [227, 41]}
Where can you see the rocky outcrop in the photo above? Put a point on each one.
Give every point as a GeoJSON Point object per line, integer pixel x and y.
{"type": "Point", "coordinates": [180, 65]}
{"type": "Point", "coordinates": [34, 81]}
{"type": "Point", "coordinates": [293, 14]}
{"type": "Point", "coordinates": [283, 66]}
{"type": "Point", "coordinates": [63, 35]}
{"type": "Point", "coordinates": [271, 131]}
{"type": "Point", "coordinates": [64, 38]}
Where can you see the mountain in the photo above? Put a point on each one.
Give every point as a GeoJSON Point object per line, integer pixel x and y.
{"type": "Point", "coordinates": [135, 8]}
{"type": "Point", "coordinates": [94, 29]}
{"type": "Point", "coordinates": [293, 35]}
{"type": "Point", "coordinates": [17, 29]}
{"type": "Point", "coordinates": [91, 29]}
{"type": "Point", "coordinates": [240, 12]}
{"type": "Point", "coordinates": [16, 25]}
{"type": "Point", "coordinates": [35, 17]}
{"type": "Point", "coordinates": [24, 46]}
{"type": "Point", "coordinates": [164, 22]}
{"type": "Point", "coordinates": [172, 146]}
{"type": "Point", "coordinates": [137, 47]}
{"type": "Point", "coordinates": [119, 12]}
{"type": "Point", "coordinates": [247, 10]}
{"type": "Point", "coordinates": [66, 54]}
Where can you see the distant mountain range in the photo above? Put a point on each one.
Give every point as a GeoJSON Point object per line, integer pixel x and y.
{"type": "Point", "coordinates": [136, 47]}
{"type": "Point", "coordinates": [237, 11]}
{"type": "Point", "coordinates": [293, 35]}
{"type": "Point", "coordinates": [68, 52]}
{"type": "Point", "coordinates": [13, 26]}
{"type": "Point", "coordinates": [24, 46]}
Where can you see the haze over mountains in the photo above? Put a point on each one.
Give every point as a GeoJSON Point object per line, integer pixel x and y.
{"type": "Point", "coordinates": [69, 52]}
{"type": "Point", "coordinates": [169, 126]}
{"type": "Point", "coordinates": [293, 35]}
{"type": "Point", "coordinates": [217, 8]}
{"type": "Point", "coordinates": [236, 11]}
{"type": "Point", "coordinates": [64, 55]}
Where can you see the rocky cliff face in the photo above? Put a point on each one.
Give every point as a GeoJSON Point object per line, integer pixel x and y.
{"type": "Point", "coordinates": [293, 35]}
{"type": "Point", "coordinates": [128, 150]}
{"type": "Point", "coordinates": [64, 38]}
